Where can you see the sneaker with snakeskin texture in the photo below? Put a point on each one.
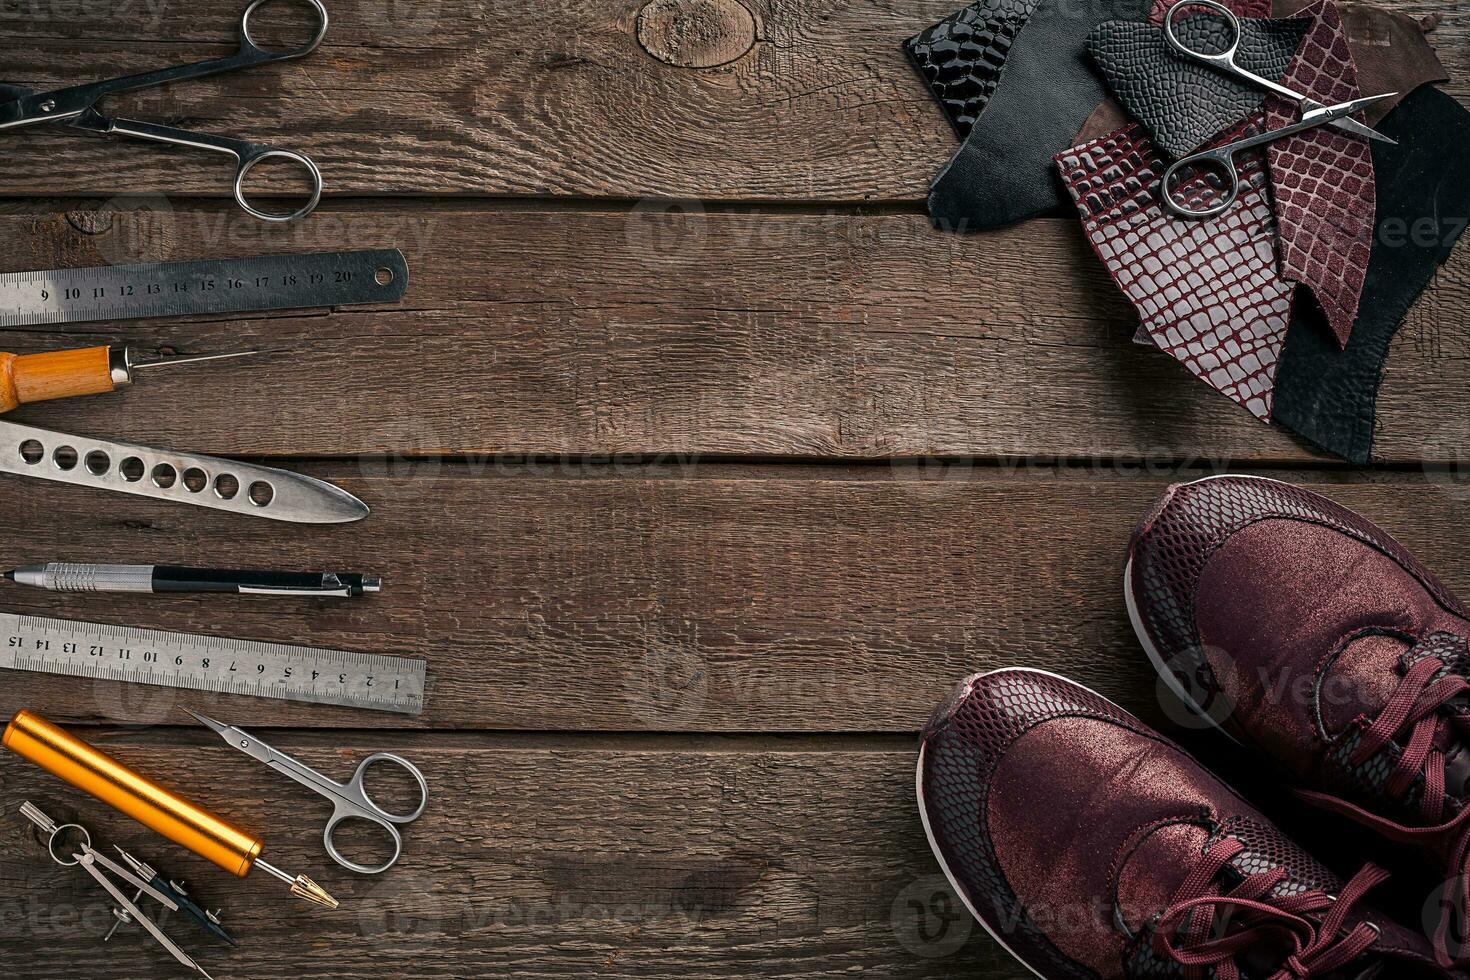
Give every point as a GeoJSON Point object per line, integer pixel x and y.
{"type": "Point", "coordinates": [1308, 634]}
{"type": "Point", "coordinates": [1092, 847]}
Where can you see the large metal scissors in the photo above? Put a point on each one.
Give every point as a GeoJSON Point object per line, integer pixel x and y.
{"type": "Point", "coordinates": [76, 107]}
{"type": "Point", "coordinates": [1313, 113]}
{"type": "Point", "coordinates": [350, 799]}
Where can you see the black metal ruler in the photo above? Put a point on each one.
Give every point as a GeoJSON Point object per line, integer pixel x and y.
{"type": "Point", "coordinates": [214, 286]}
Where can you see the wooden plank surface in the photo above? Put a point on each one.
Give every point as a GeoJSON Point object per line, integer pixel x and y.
{"type": "Point", "coordinates": [519, 97]}
{"type": "Point", "coordinates": [709, 598]}
{"type": "Point", "coordinates": [536, 861]}
{"type": "Point", "coordinates": [542, 857]}
{"type": "Point", "coordinates": [701, 468]}
{"type": "Point", "coordinates": [641, 332]}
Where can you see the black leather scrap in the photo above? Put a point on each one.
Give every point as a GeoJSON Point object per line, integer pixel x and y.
{"type": "Point", "coordinates": [1328, 395]}
{"type": "Point", "coordinates": [1004, 173]}
{"type": "Point", "coordinates": [961, 57]}
{"type": "Point", "coordinates": [1183, 103]}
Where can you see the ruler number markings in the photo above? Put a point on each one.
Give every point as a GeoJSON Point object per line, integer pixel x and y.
{"type": "Point", "coordinates": [212, 663]}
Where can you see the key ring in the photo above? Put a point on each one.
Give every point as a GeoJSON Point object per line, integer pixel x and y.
{"type": "Point", "coordinates": [51, 843]}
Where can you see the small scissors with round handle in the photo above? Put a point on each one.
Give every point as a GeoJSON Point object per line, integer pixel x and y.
{"type": "Point", "coordinates": [1222, 158]}
{"type": "Point", "coordinates": [350, 799]}
{"type": "Point", "coordinates": [76, 107]}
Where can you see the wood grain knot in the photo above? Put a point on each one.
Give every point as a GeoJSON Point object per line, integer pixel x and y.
{"type": "Point", "coordinates": [696, 33]}
{"type": "Point", "coordinates": [90, 222]}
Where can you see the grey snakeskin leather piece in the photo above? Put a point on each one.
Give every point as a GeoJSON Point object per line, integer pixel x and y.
{"type": "Point", "coordinates": [1183, 103]}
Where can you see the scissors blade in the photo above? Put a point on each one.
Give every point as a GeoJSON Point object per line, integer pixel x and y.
{"type": "Point", "coordinates": [1340, 115]}
{"type": "Point", "coordinates": [276, 759]}
{"type": "Point", "coordinates": [11, 97]}
{"type": "Point", "coordinates": [236, 738]}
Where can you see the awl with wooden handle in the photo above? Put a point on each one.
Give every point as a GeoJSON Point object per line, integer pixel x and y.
{"type": "Point", "coordinates": [26, 378]}
{"type": "Point", "coordinates": [70, 759]}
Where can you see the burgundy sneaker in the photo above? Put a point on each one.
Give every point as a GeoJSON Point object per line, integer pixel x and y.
{"type": "Point", "coordinates": [1091, 847]}
{"type": "Point", "coordinates": [1307, 633]}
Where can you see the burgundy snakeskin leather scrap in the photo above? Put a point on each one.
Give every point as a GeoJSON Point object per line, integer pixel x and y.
{"type": "Point", "coordinates": [1322, 180]}
{"type": "Point", "coordinates": [1208, 292]}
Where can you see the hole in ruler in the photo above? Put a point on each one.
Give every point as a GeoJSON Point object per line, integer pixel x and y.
{"type": "Point", "coordinates": [262, 493]}
{"type": "Point", "coordinates": [226, 486]}
{"type": "Point", "coordinates": [195, 479]}
{"type": "Point", "coordinates": [65, 458]}
{"type": "Point", "coordinates": [164, 476]}
{"type": "Point", "coordinates": [383, 276]}
{"type": "Point", "coordinates": [32, 451]}
{"type": "Point", "coordinates": [132, 469]}
{"type": "Point", "coordinates": [98, 463]}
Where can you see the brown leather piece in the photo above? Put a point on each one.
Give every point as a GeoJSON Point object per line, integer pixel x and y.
{"type": "Point", "coordinates": [1391, 50]}
{"type": "Point", "coordinates": [1108, 117]}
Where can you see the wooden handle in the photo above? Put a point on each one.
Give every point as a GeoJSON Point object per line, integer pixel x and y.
{"type": "Point", "coordinates": [30, 378]}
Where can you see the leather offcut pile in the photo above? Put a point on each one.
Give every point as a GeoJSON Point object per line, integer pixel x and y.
{"type": "Point", "coordinates": [1288, 301]}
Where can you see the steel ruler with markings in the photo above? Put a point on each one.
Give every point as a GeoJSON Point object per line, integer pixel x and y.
{"type": "Point", "coordinates": [214, 286]}
{"type": "Point", "coordinates": [210, 663]}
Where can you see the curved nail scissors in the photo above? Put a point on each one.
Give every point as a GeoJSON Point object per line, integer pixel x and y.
{"type": "Point", "coordinates": [1222, 158]}
{"type": "Point", "coordinates": [76, 107]}
{"type": "Point", "coordinates": [350, 799]}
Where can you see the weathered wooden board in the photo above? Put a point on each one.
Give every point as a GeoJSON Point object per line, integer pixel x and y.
{"type": "Point", "coordinates": [550, 857]}
{"type": "Point", "coordinates": [803, 100]}
{"type": "Point", "coordinates": [698, 335]}
{"type": "Point", "coordinates": [668, 598]}
{"type": "Point", "coordinates": [800, 861]}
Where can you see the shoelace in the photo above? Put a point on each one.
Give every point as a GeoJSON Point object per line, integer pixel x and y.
{"type": "Point", "coordinates": [1314, 944]}
{"type": "Point", "coordinates": [1415, 709]}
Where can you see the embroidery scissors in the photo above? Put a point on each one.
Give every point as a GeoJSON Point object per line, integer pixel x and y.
{"type": "Point", "coordinates": [1313, 113]}
{"type": "Point", "coordinates": [76, 107]}
{"type": "Point", "coordinates": [351, 799]}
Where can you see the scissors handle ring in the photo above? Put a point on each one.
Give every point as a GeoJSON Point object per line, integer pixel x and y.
{"type": "Point", "coordinates": [356, 803]}
{"type": "Point", "coordinates": [255, 155]}
{"type": "Point", "coordinates": [1224, 159]}
{"type": "Point", "coordinates": [343, 816]}
{"type": "Point", "coordinates": [252, 48]}
{"type": "Point", "coordinates": [1224, 59]}
{"type": "Point", "coordinates": [358, 787]}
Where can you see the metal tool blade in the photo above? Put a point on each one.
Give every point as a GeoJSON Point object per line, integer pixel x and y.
{"type": "Point", "coordinates": [89, 860]}
{"type": "Point", "coordinates": [1342, 119]}
{"type": "Point", "coordinates": [132, 879]}
{"type": "Point", "coordinates": [196, 359]}
{"type": "Point", "coordinates": [186, 478]}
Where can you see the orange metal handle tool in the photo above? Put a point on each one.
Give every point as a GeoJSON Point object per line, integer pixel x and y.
{"type": "Point", "coordinates": [26, 378]}
{"type": "Point", "coordinates": [74, 761]}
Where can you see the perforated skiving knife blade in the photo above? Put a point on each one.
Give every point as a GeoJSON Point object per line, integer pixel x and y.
{"type": "Point", "coordinates": [185, 478]}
